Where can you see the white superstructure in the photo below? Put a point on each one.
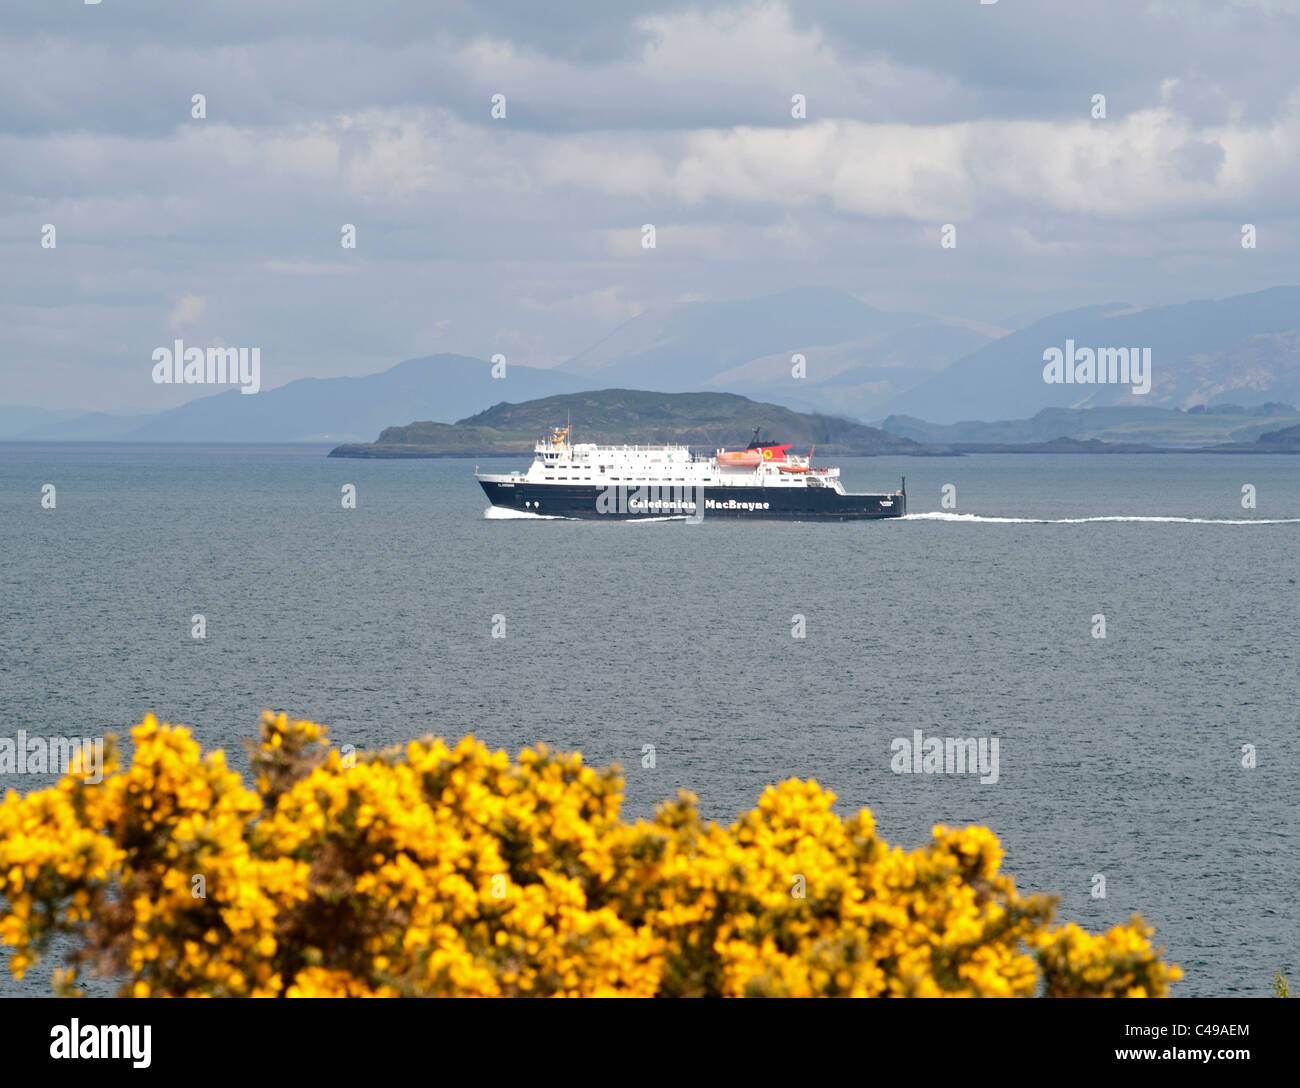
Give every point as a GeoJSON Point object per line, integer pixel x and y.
{"type": "Point", "coordinates": [559, 462]}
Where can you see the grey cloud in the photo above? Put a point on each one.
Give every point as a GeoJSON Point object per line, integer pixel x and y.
{"type": "Point", "coordinates": [473, 239]}
{"type": "Point", "coordinates": [1199, 160]}
{"type": "Point", "coordinates": [131, 68]}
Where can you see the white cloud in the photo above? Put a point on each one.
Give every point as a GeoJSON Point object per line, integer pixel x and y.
{"type": "Point", "coordinates": [742, 44]}
{"type": "Point", "coordinates": [188, 309]}
{"type": "Point", "coordinates": [390, 157]}
{"type": "Point", "coordinates": [680, 118]}
{"type": "Point", "coordinates": [1120, 167]}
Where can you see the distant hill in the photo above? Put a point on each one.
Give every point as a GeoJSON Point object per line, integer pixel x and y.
{"type": "Point", "coordinates": [1289, 437]}
{"type": "Point", "coordinates": [1243, 350]}
{"type": "Point", "coordinates": [705, 421]}
{"type": "Point", "coordinates": [856, 378]}
{"type": "Point", "coordinates": [1286, 440]}
{"type": "Point", "coordinates": [1061, 445]}
{"type": "Point", "coordinates": [856, 357]}
{"type": "Point", "coordinates": [691, 342]}
{"type": "Point", "coordinates": [16, 419]}
{"type": "Point", "coordinates": [866, 363]}
{"type": "Point", "coordinates": [437, 387]}
{"type": "Point", "coordinates": [84, 427]}
{"type": "Point", "coordinates": [861, 363]}
{"type": "Point", "coordinates": [1165, 427]}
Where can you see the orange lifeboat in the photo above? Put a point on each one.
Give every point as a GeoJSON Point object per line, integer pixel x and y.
{"type": "Point", "coordinates": [741, 458]}
{"type": "Point", "coordinates": [755, 454]}
{"type": "Point", "coordinates": [792, 468]}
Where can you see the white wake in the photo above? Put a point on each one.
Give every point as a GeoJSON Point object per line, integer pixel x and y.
{"type": "Point", "coordinates": [945, 515]}
{"type": "Point", "coordinates": [499, 513]}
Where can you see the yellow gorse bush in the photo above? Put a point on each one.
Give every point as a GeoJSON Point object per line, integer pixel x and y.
{"type": "Point", "coordinates": [436, 871]}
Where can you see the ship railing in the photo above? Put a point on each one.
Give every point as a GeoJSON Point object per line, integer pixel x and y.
{"type": "Point", "coordinates": [540, 448]}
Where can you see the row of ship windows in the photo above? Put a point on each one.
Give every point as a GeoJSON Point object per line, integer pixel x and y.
{"type": "Point", "coordinates": [556, 464]}
{"type": "Point", "coordinates": [617, 479]}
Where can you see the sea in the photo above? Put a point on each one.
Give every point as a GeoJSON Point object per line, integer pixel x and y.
{"type": "Point", "coordinates": [1124, 627]}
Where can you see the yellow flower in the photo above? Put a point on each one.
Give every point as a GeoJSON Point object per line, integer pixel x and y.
{"type": "Point", "coordinates": [439, 871]}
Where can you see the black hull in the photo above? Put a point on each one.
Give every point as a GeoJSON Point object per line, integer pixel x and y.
{"type": "Point", "coordinates": [740, 503]}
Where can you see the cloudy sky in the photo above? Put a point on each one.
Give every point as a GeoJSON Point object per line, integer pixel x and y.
{"type": "Point", "coordinates": [522, 235]}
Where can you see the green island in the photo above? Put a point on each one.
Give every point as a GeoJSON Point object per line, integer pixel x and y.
{"type": "Point", "coordinates": [708, 421]}
{"type": "Point", "coordinates": [634, 417]}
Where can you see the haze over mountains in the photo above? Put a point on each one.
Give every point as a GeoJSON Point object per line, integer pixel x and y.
{"type": "Point", "coordinates": [1243, 350]}
{"type": "Point", "coordinates": [860, 363]}
{"type": "Point", "coordinates": [856, 357]}
{"type": "Point", "coordinates": [441, 387]}
{"type": "Point", "coordinates": [1163, 427]}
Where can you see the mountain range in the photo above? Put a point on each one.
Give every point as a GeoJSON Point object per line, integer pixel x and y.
{"type": "Point", "coordinates": [1169, 428]}
{"type": "Point", "coordinates": [709, 421]}
{"type": "Point", "coordinates": [810, 349]}
{"type": "Point", "coordinates": [445, 387]}
{"type": "Point", "coordinates": [1243, 350]}
{"type": "Point", "coordinates": [854, 357]}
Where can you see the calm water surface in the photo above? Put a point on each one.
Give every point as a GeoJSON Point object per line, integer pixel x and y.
{"type": "Point", "coordinates": [1119, 756]}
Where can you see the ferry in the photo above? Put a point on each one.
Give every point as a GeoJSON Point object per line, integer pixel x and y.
{"type": "Point", "coordinates": [764, 481]}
